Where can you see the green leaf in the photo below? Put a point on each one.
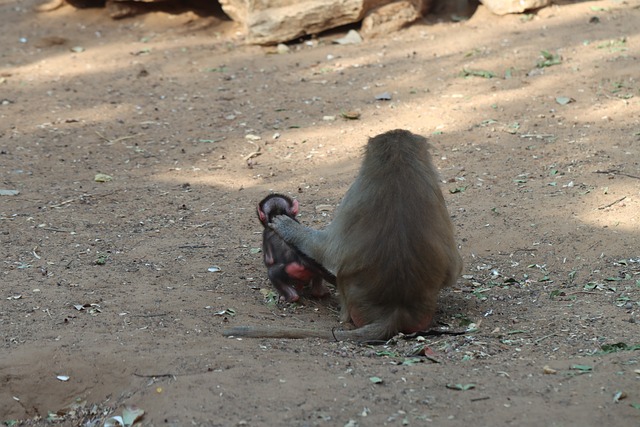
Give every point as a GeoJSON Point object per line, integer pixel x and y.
{"type": "Point", "coordinates": [131, 414]}
{"type": "Point", "coordinates": [375, 380]}
{"type": "Point", "coordinates": [555, 294]}
{"type": "Point", "coordinates": [386, 353]}
{"type": "Point", "coordinates": [508, 73]}
{"type": "Point", "coordinates": [222, 69]}
{"type": "Point", "coordinates": [486, 74]}
{"type": "Point", "coordinates": [411, 361]}
{"type": "Point", "coordinates": [461, 387]}
{"type": "Point", "coordinates": [564, 100]}
{"type": "Point", "coordinates": [620, 346]}
{"type": "Point", "coordinates": [548, 59]}
{"type": "Point", "coordinates": [350, 115]}
{"type": "Point", "coordinates": [614, 45]}
{"type": "Point", "coordinates": [102, 177]}
{"type": "Point", "coordinates": [270, 297]}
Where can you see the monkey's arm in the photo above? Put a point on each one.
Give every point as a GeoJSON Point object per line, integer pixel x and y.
{"type": "Point", "coordinates": [312, 243]}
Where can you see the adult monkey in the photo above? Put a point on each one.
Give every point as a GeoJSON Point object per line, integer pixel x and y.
{"type": "Point", "coordinates": [390, 245]}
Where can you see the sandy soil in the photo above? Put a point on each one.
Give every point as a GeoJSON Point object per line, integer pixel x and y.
{"type": "Point", "coordinates": [108, 283]}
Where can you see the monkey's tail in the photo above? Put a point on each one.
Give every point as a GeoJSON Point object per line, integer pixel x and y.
{"type": "Point", "coordinates": [276, 332]}
{"type": "Point", "coordinates": [373, 332]}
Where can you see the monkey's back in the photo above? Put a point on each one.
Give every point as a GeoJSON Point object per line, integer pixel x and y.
{"type": "Point", "coordinates": [398, 248]}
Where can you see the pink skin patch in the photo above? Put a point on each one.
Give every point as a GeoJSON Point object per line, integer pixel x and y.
{"type": "Point", "coordinates": [356, 318]}
{"type": "Point", "coordinates": [420, 326]}
{"type": "Point", "coordinates": [298, 271]}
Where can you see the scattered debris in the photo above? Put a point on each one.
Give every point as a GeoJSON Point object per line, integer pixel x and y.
{"type": "Point", "coordinates": [564, 100]}
{"type": "Point", "coordinates": [350, 115]}
{"type": "Point", "coordinates": [130, 415]}
{"type": "Point", "coordinates": [102, 177]}
{"type": "Point", "coordinates": [226, 312]}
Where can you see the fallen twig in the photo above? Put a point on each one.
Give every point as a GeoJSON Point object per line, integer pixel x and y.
{"type": "Point", "coordinates": [252, 155]}
{"type": "Point", "coordinates": [537, 135]}
{"type": "Point", "coordinates": [66, 202]}
{"type": "Point", "coordinates": [612, 203]}
{"type": "Point", "coordinates": [57, 230]}
{"type": "Point", "coordinates": [62, 203]}
{"type": "Point", "coordinates": [617, 172]}
{"type": "Point", "coordinates": [544, 338]}
{"type": "Point", "coordinates": [150, 315]}
{"type": "Point", "coordinates": [154, 375]}
{"type": "Point", "coordinates": [122, 138]}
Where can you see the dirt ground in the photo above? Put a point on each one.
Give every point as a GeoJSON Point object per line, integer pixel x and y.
{"type": "Point", "coordinates": [125, 286]}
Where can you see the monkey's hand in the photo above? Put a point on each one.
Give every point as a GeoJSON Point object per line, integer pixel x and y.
{"type": "Point", "coordinates": [286, 227]}
{"type": "Point", "coordinates": [308, 241]}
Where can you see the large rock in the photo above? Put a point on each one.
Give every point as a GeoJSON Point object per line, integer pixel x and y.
{"type": "Point", "coordinates": [275, 21]}
{"type": "Point", "coordinates": [391, 17]}
{"type": "Point", "coordinates": [502, 7]}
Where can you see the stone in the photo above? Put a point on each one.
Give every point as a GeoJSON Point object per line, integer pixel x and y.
{"type": "Point", "coordinates": [503, 7]}
{"type": "Point", "coordinates": [276, 21]}
{"type": "Point", "coordinates": [391, 17]}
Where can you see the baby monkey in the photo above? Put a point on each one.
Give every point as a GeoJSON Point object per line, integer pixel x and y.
{"type": "Point", "coordinates": [288, 269]}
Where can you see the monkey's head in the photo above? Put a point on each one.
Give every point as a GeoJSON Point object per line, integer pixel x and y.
{"type": "Point", "coordinates": [276, 204]}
